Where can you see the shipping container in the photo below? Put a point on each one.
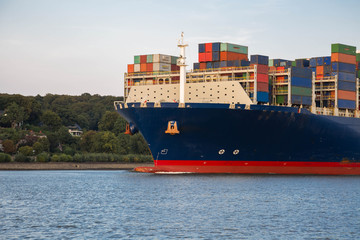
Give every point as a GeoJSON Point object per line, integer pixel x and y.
{"type": "Point", "coordinates": [149, 58]}
{"type": "Point", "coordinates": [208, 47]}
{"type": "Point", "coordinates": [208, 56]}
{"type": "Point", "coordinates": [327, 61]}
{"type": "Point", "coordinates": [302, 91]}
{"type": "Point", "coordinates": [136, 59]}
{"type": "Point", "coordinates": [262, 86]}
{"type": "Point", "coordinates": [346, 104]}
{"type": "Point", "coordinates": [161, 67]}
{"type": "Point", "coordinates": [130, 68]}
{"type": "Point", "coordinates": [345, 58]}
{"type": "Point", "coordinates": [149, 67]}
{"type": "Point", "coordinates": [216, 47]}
{"type": "Point", "coordinates": [300, 100]}
{"type": "Point", "coordinates": [216, 64]}
{"type": "Point", "coordinates": [347, 95]}
{"type": "Point", "coordinates": [319, 61]}
{"type": "Point", "coordinates": [174, 59]}
{"type": "Point", "coordinates": [302, 63]}
{"type": "Point", "coordinates": [301, 82]}
{"type": "Point", "coordinates": [320, 69]}
{"type": "Point", "coordinates": [230, 56]}
{"type": "Point", "coordinates": [143, 58]}
{"type": "Point", "coordinates": [203, 65]}
{"type": "Point", "coordinates": [262, 96]}
{"type": "Point", "coordinates": [347, 86]}
{"type": "Point", "coordinates": [196, 66]}
{"type": "Point", "coordinates": [327, 70]}
{"type": "Point", "coordinates": [343, 67]}
{"type": "Point", "coordinates": [259, 59]}
{"type": "Point", "coordinates": [201, 47]}
{"type": "Point", "coordinates": [137, 67]}
{"type": "Point", "coordinates": [143, 67]}
{"type": "Point", "coordinates": [343, 76]}
{"type": "Point", "coordinates": [271, 62]}
{"type": "Point", "coordinates": [209, 65]}
{"type": "Point", "coordinates": [281, 99]}
{"type": "Point", "coordinates": [175, 68]}
{"type": "Point", "coordinates": [215, 56]}
{"type": "Point", "coordinates": [161, 58]}
{"type": "Point", "coordinates": [342, 48]}
{"type": "Point", "coordinates": [202, 57]}
{"type": "Point", "coordinates": [262, 77]}
{"type": "Point", "coordinates": [358, 57]}
{"type": "Point", "coordinates": [301, 72]}
{"type": "Point", "coordinates": [261, 68]}
{"type": "Point", "coordinates": [229, 47]}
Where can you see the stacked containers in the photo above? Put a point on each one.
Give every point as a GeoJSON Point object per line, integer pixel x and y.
{"type": "Point", "coordinates": [343, 58]}
{"type": "Point", "coordinates": [153, 63]}
{"type": "Point", "coordinates": [221, 55]}
{"type": "Point", "coordinates": [301, 83]}
{"type": "Point", "coordinates": [262, 76]}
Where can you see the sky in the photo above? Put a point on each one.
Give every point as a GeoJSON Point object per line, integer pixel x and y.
{"type": "Point", "coordinates": [83, 46]}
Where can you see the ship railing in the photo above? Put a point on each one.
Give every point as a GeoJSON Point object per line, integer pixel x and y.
{"type": "Point", "coordinates": [279, 71]}
{"type": "Point", "coordinates": [222, 69]}
{"type": "Point", "coordinates": [281, 81]}
{"type": "Point", "coordinates": [325, 79]}
{"type": "Point", "coordinates": [331, 87]}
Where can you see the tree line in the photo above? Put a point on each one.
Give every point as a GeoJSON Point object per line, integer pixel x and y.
{"type": "Point", "coordinates": [36, 128]}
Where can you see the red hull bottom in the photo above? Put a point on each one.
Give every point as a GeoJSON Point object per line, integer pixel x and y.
{"type": "Point", "coordinates": [253, 167]}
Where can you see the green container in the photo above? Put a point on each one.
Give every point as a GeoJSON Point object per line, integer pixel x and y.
{"type": "Point", "coordinates": [358, 57]}
{"type": "Point", "coordinates": [342, 48]}
{"type": "Point", "coordinates": [271, 62]}
{"type": "Point", "coordinates": [136, 59]}
{"type": "Point", "coordinates": [280, 99]}
{"type": "Point", "coordinates": [229, 47]}
{"type": "Point", "coordinates": [174, 59]}
{"type": "Point", "coordinates": [301, 91]}
{"type": "Point", "coordinates": [149, 58]}
{"type": "Point", "coordinates": [293, 63]}
{"type": "Point", "coordinates": [358, 74]}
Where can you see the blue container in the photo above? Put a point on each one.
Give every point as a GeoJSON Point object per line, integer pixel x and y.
{"type": "Point", "coordinates": [319, 61]}
{"type": "Point", "coordinates": [244, 63]}
{"type": "Point", "coordinates": [230, 63]}
{"type": "Point", "coordinates": [223, 64]}
{"type": "Point", "coordinates": [201, 47]}
{"type": "Point", "coordinates": [236, 63]}
{"type": "Point", "coordinates": [313, 69]}
{"type": "Point", "coordinates": [301, 72]}
{"type": "Point", "coordinates": [346, 86]}
{"type": "Point", "coordinates": [215, 56]}
{"type": "Point", "coordinates": [196, 66]}
{"type": "Point", "coordinates": [216, 64]}
{"type": "Point", "coordinates": [302, 63]}
{"type": "Point", "coordinates": [209, 65]}
{"type": "Point", "coordinates": [343, 67]}
{"type": "Point", "coordinates": [312, 62]}
{"type": "Point", "coordinates": [327, 61]}
{"type": "Point", "coordinates": [343, 76]}
{"type": "Point", "coordinates": [306, 100]}
{"type": "Point", "coordinates": [346, 104]}
{"type": "Point", "coordinates": [259, 59]}
{"type": "Point", "coordinates": [301, 100]}
{"type": "Point", "coordinates": [262, 96]}
{"type": "Point", "coordinates": [301, 82]}
{"type": "Point", "coordinates": [216, 47]}
{"type": "Point", "coordinates": [327, 69]}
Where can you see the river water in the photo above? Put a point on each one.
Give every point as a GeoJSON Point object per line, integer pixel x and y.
{"type": "Point", "coordinates": [129, 205]}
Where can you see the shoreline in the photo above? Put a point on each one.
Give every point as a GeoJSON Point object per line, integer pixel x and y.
{"type": "Point", "coordinates": [14, 166]}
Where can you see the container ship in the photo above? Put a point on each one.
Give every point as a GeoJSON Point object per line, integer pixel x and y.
{"type": "Point", "coordinates": [248, 115]}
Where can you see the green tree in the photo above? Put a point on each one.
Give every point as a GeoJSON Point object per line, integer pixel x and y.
{"type": "Point", "coordinates": [14, 114]}
{"type": "Point", "coordinates": [51, 120]}
{"type": "Point", "coordinates": [9, 146]}
{"type": "Point", "coordinates": [5, 157]}
{"type": "Point", "coordinates": [87, 141]}
{"type": "Point", "coordinates": [26, 150]}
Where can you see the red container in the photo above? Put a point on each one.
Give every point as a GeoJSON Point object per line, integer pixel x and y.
{"type": "Point", "coordinates": [202, 65]}
{"type": "Point", "coordinates": [143, 58]}
{"type": "Point", "coordinates": [263, 87]}
{"type": "Point", "coordinates": [208, 47]}
{"type": "Point", "coordinates": [261, 68]}
{"type": "Point", "coordinates": [280, 68]}
{"type": "Point", "coordinates": [142, 67]}
{"type": "Point", "coordinates": [341, 57]}
{"type": "Point", "coordinates": [149, 67]}
{"type": "Point", "coordinates": [230, 56]}
{"type": "Point", "coordinates": [262, 77]}
{"type": "Point", "coordinates": [202, 57]}
{"type": "Point", "coordinates": [130, 68]}
{"type": "Point", "coordinates": [208, 56]}
{"type": "Point", "coordinates": [346, 95]}
{"type": "Point", "coordinates": [320, 70]}
{"type": "Point", "coordinates": [175, 67]}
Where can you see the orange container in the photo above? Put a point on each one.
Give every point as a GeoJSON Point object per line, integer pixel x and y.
{"type": "Point", "coordinates": [262, 78]}
{"type": "Point", "coordinates": [280, 68]}
{"type": "Point", "coordinates": [272, 69]}
{"type": "Point", "coordinates": [202, 57]}
{"type": "Point", "coordinates": [130, 68]}
{"type": "Point", "coordinates": [344, 58]}
{"type": "Point", "coordinates": [319, 76]}
{"type": "Point", "coordinates": [208, 47]}
{"type": "Point", "coordinates": [208, 56]}
{"type": "Point", "coordinates": [230, 56]}
{"type": "Point", "coordinates": [142, 67]}
{"type": "Point", "coordinates": [320, 70]}
{"type": "Point", "coordinates": [332, 94]}
{"type": "Point", "coordinates": [149, 67]}
{"type": "Point", "coordinates": [346, 95]}
{"type": "Point", "coordinates": [202, 65]}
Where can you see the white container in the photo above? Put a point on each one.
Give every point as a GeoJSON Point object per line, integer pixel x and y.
{"type": "Point", "coordinates": [161, 67]}
{"type": "Point", "coordinates": [161, 58]}
{"type": "Point", "coordinates": [137, 67]}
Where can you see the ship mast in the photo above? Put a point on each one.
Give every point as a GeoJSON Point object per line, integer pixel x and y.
{"type": "Point", "coordinates": [181, 63]}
